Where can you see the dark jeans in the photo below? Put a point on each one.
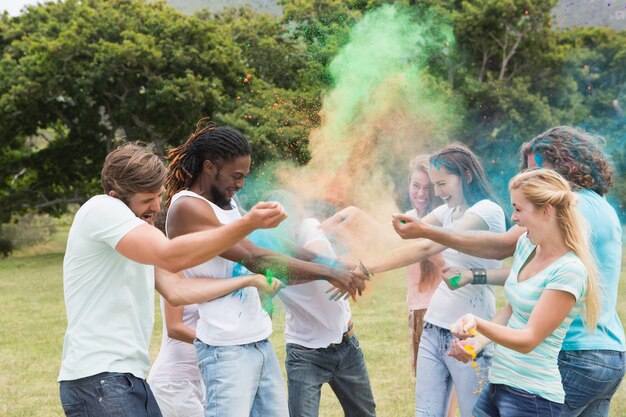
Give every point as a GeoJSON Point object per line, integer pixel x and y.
{"type": "Point", "coordinates": [505, 401]}
{"type": "Point", "coordinates": [342, 366]}
{"type": "Point", "coordinates": [109, 394]}
{"type": "Point", "coordinates": [590, 378]}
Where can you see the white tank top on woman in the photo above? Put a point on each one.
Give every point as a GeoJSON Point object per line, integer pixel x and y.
{"type": "Point", "coordinates": [236, 318]}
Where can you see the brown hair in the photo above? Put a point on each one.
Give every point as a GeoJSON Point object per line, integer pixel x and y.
{"type": "Point", "coordinates": [575, 154]}
{"type": "Point", "coordinates": [543, 187]}
{"type": "Point", "coordinates": [459, 160]}
{"type": "Point", "coordinates": [132, 169]}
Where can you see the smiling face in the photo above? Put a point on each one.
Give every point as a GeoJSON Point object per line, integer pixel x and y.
{"type": "Point", "coordinates": [228, 179]}
{"type": "Point", "coordinates": [419, 190]}
{"type": "Point", "coordinates": [146, 205]}
{"type": "Point", "coordinates": [527, 215]}
{"type": "Point", "coordinates": [446, 186]}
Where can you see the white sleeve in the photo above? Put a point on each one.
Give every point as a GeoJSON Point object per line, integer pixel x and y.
{"type": "Point", "coordinates": [491, 213]}
{"type": "Point", "coordinates": [440, 213]}
{"type": "Point", "coordinates": [109, 220]}
{"type": "Point", "coordinates": [309, 232]}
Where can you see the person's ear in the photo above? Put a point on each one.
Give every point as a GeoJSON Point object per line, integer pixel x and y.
{"type": "Point", "coordinates": [468, 176]}
{"type": "Point", "coordinates": [547, 211]}
{"type": "Point", "coordinates": [209, 167]}
{"type": "Point", "coordinates": [114, 194]}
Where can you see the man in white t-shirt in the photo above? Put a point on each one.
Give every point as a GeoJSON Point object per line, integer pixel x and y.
{"type": "Point", "coordinates": [322, 346]}
{"type": "Point", "coordinates": [109, 278]}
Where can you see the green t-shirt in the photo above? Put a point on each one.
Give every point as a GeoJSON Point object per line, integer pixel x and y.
{"type": "Point", "coordinates": [537, 372]}
{"type": "Point", "coordinates": [109, 299]}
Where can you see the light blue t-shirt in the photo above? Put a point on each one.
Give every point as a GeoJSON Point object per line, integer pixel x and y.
{"type": "Point", "coordinates": [109, 299]}
{"type": "Point", "coordinates": [537, 372]}
{"type": "Point", "coordinates": [606, 245]}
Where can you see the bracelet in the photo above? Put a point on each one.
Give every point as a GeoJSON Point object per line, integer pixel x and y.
{"type": "Point", "coordinates": [479, 276]}
{"type": "Point", "coordinates": [364, 269]}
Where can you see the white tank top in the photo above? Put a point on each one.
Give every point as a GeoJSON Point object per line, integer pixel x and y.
{"type": "Point", "coordinates": [236, 318]}
{"type": "Point", "coordinates": [177, 359]}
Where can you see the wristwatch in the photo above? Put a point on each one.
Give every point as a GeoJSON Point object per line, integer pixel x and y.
{"type": "Point", "coordinates": [479, 276]}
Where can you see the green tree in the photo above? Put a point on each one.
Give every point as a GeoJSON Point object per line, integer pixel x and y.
{"type": "Point", "coordinates": [86, 74]}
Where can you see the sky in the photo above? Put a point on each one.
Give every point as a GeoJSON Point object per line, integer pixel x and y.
{"type": "Point", "coordinates": [14, 6]}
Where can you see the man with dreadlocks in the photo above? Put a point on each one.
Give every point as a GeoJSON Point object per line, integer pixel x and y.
{"type": "Point", "coordinates": [236, 360]}
{"type": "Point", "coordinates": [109, 281]}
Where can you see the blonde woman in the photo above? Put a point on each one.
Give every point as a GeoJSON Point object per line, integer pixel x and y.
{"type": "Point", "coordinates": [553, 275]}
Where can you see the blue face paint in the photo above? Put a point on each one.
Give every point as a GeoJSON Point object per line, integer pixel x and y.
{"type": "Point", "coordinates": [538, 160]}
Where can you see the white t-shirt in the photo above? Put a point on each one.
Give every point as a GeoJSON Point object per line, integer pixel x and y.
{"type": "Point", "coordinates": [109, 299]}
{"type": "Point", "coordinates": [311, 319]}
{"type": "Point", "coordinates": [177, 359]}
{"type": "Point", "coordinates": [447, 306]}
{"type": "Point", "coordinates": [236, 318]}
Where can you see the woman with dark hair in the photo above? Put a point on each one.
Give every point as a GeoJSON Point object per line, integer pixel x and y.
{"type": "Point", "coordinates": [459, 180]}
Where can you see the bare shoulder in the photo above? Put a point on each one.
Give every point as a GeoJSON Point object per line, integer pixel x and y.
{"type": "Point", "coordinates": [188, 215]}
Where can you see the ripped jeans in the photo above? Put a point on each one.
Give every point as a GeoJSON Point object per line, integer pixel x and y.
{"type": "Point", "coordinates": [437, 374]}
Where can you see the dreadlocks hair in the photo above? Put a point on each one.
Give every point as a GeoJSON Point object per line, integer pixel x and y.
{"type": "Point", "coordinates": [207, 143]}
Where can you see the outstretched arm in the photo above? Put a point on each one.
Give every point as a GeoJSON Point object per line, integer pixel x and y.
{"type": "Point", "coordinates": [456, 278]}
{"type": "Point", "coordinates": [483, 244]}
{"type": "Point", "coordinates": [147, 245]}
{"type": "Point", "coordinates": [191, 215]}
{"type": "Point", "coordinates": [421, 249]}
{"type": "Point", "coordinates": [179, 291]}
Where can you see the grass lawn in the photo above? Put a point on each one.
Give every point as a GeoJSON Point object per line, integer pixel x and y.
{"type": "Point", "coordinates": [32, 324]}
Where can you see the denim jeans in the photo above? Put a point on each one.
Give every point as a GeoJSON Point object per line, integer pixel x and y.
{"type": "Point", "coordinates": [437, 373]}
{"type": "Point", "coordinates": [242, 380]}
{"type": "Point", "coordinates": [109, 394]}
{"type": "Point", "coordinates": [341, 366]}
{"type": "Point", "coordinates": [590, 378]}
{"type": "Point", "coordinates": [505, 401]}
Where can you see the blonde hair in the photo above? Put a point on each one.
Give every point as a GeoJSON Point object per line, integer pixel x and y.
{"type": "Point", "coordinates": [543, 187]}
{"type": "Point", "coordinates": [132, 169]}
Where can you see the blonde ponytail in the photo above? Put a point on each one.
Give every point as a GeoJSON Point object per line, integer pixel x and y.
{"type": "Point", "coordinates": [544, 187]}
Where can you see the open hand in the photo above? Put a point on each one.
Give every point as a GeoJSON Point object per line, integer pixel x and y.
{"type": "Point", "coordinates": [464, 350]}
{"type": "Point", "coordinates": [347, 283]}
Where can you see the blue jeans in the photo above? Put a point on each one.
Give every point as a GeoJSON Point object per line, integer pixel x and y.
{"type": "Point", "coordinates": [342, 366]}
{"type": "Point", "coordinates": [242, 380]}
{"type": "Point", "coordinates": [505, 401]}
{"type": "Point", "coordinates": [590, 378]}
{"type": "Point", "coordinates": [109, 394]}
{"type": "Point", "coordinates": [437, 373]}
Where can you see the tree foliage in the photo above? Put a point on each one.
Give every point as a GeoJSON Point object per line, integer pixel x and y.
{"type": "Point", "coordinates": [77, 77]}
